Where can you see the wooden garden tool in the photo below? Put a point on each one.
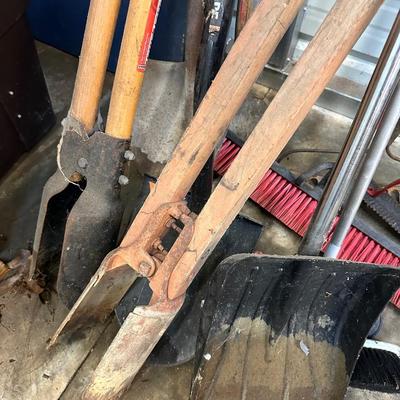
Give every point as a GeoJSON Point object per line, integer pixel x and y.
{"type": "Point", "coordinates": [170, 272]}
{"type": "Point", "coordinates": [81, 209]}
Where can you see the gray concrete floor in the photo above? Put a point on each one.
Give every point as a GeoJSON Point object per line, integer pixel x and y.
{"type": "Point", "coordinates": [26, 324]}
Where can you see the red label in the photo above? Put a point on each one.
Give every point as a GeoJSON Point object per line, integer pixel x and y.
{"type": "Point", "coordinates": [148, 35]}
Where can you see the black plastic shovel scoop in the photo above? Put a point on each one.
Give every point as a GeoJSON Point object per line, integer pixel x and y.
{"type": "Point", "coordinates": [286, 327]}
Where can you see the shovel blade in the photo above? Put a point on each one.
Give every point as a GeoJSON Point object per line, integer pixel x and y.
{"type": "Point", "coordinates": [90, 233]}
{"type": "Point", "coordinates": [288, 327]}
{"type": "Point", "coordinates": [98, 300]}
{"type": "Point", "coordinates": [58, 198]}
{"type": "Point", "coordinates": [129, 350]}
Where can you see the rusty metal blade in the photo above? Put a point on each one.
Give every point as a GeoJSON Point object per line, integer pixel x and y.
{"type": "Point", "coordinates": [129, 350]}
{"type": "Point", "coordinates": [98, 300]}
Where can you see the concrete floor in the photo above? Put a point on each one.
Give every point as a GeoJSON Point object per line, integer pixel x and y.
{"type": "Point", "coordinates": [26, 322]}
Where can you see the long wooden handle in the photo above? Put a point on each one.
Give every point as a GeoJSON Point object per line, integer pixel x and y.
{"type": "Point", "coordinates": [99, 33]}
{"type": "Point", "coordinates": [241, 68]}
{"type": "Point", "coordinates": [132, 61]}
{"type": "Point", "coordinates": [127, 353]}
{"type": "Point", "coordinates": [323, 56]}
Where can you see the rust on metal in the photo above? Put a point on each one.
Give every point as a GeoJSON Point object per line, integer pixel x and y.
{"type": "Point", "coordinates": [141, 256]}
{"type": "Point", "coordinates": [148, 255]}
{"type": "Point", "coordinates": [145, 325]}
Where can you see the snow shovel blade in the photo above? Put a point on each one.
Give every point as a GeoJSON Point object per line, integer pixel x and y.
{"type": "Point", "coordinates": [286, 327]}
{"type": "Point", "coordinates": [140, 333]}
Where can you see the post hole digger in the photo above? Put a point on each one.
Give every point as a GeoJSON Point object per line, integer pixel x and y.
{"type": "Point", "coordinates": [178, 343]}
{"type": "Point", "coordinates": [81, 208]}
{"type": "Point", "coordinates": [142, 251]}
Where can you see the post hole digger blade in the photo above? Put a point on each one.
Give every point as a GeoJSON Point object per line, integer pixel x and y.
{"type": "Point", "coordinates": [178, 343]}
{"type": "Point", "coordinates": [81, 207]}
{"type": "Point", "coordinates": [170, 277]}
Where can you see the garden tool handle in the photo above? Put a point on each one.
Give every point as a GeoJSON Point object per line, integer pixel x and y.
{"type": "Point", "coordinates": [145, 325]}
{"type": "Point", "coordinates": [243, 64]}
{"type": "Point", "coordinates": [318, 64]}
{"type": "Point", "coordinates": [97, 41]}
{"type": "Point", "coordinates": [136, 41]}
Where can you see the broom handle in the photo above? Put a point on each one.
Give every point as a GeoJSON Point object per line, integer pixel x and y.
{"type": "Point", "coordinates": [99, 33]}
{"type": "Point", "coordinates": [241, 68]}
{"type": "Point", "coordinates": [323, 56]}
{"type": "Point", "coordinates": [132, 60]}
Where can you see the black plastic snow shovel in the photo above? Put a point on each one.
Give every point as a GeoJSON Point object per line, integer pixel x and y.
{"type": "Point", "coordinates": [286, 327]}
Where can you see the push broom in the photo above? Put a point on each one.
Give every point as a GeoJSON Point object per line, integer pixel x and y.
{"type": "Point", "coordinates": [294, 207]}
{"type": "Point", "coordinates": [141, 251]}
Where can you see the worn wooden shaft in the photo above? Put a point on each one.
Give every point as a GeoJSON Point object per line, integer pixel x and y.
{"type": "Point", "coordinates": [99, 33]}
{"type": "Point", "coordinates": [323, 56]}
{"type": "Point", "coordinates": [143, 328]}
{"type": "Point", "coordinates": [132, 60]}
{"type": "Point", "coordinates": [241, 68]}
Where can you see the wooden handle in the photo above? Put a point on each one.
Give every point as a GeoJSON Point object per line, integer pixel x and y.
{"type": "Point", "coordinates": [130, 348]}
{"type": "Point", "coordinates": [99, 33]}
{"type": "Point", "coordinates": [132, 61]}
{"type": "Point", "coordinates": [323, 56]}
{"type": "Point", "coordinates": [241, 68]}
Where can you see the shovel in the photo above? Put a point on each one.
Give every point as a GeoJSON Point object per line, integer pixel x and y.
{"type": "Point", "coordinates": [81, 208]}
{"type": "Point", "coordinates": [170, 272]}
{"type": "Point", "coordinates": [286, 327]}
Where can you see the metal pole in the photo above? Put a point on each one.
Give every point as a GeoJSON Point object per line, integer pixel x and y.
{"type": "Point", "coordinates": [375, 100]}
{"type": "Point", "coordinates": [366, 174]}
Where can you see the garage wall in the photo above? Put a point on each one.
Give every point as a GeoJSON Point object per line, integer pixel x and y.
{"type": "Point", "coordinates": [359, 65]}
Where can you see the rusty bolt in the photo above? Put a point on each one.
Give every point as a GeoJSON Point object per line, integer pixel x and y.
{"type": "Point", "coordinates": [175, 213]}
{"type": "Point", "coordinates": [146, 269]}
{"type": "Point", "coordinates": [176, 227]}
{"type": "Point", "coordinates": [158, 245]}
{"type": "Point", "coordinates": [171, 224]}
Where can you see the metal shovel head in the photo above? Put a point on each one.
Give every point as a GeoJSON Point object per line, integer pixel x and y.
{"type": "Point", "coordinates": [286, 327]}
{"type": "Point", "coordinates": [78, 222]}
{"type": "Point", "coordinates": [58, 198]}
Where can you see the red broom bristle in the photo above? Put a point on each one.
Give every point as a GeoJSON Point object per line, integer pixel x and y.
{"type": "Point", "coordinates": [295, 208]}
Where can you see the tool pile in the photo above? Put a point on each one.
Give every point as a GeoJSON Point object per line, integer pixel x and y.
{"type": "Point", "coordinates": [258, 326]}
